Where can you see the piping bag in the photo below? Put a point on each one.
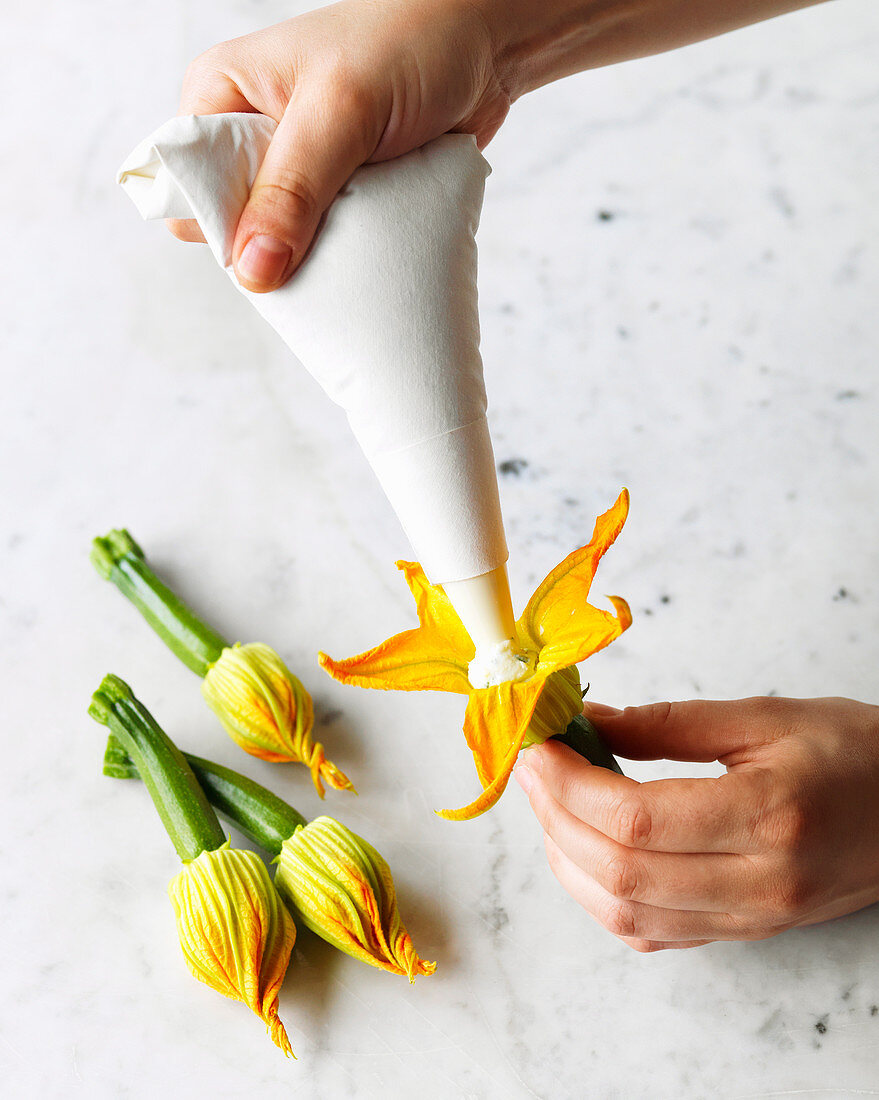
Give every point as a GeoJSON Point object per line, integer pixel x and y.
{"type": "Point", "coordinates": [383, 314]}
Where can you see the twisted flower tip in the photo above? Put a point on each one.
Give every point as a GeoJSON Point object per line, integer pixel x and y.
{"type": "Point", "coordinates": [344, 892]}
{"type": "Point", "coordinates": [267, 712]}
{"type": "Point", "coordinates": [235, 932]}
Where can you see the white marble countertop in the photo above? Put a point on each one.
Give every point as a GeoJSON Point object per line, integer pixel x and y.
{"type": "Point", "coordinates": [679, 280]}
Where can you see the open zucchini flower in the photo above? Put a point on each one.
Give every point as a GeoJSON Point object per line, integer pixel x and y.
{"type": "Point", "coordinates": [557, 630]}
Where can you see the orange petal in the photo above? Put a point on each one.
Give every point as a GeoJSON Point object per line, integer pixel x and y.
{"type": "Point", "coordinates": [433, 657]}
{"type": "Point", "coordinates": [495, 725]}
{"type": "Point", "coordinates": [557, 600]}
{"type": "Point", "coordinates": [435, 610]}
{"type": "Point", "coordinates": [411, 661]}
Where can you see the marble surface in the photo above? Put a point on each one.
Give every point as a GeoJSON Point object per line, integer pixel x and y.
{"type": "Point", "coordinates": [678, 289]}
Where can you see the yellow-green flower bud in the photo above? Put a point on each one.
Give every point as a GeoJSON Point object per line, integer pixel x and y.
{"type": "Point", "coordinates": [559, 702]}
{"type": "Point", "coordinates": [343, 891]}
{"type": "Point", "coordinates": [267, 711]}
{"type": "Point", "coordinates": [235, 932]}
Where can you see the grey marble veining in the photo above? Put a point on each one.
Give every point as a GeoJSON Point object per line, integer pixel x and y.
{"type": "Point", "coordinates": [678, 293]}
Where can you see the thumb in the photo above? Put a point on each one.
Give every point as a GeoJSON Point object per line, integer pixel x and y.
{"type": "Point", "coordinates": [697, 729]}
{"type": "Point", "coordinates": [319, 142]}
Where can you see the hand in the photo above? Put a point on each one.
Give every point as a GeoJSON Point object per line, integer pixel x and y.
{"type": "Point", "coordinates": [347, 84]}
{"type": "Point", "coordinates": [789, 836]}
{"type": "Point", "coordinates": [361, 81]}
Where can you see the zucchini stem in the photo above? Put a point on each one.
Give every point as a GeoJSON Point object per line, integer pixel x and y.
{"type": "Point", "coordinates": [253, 809]}
{"type": "Point", "coordinates": [581, 736]}
{"type": "Point", "coordinates": [118, 558]}
{"type": "Point", "coordinates": [181, 803]}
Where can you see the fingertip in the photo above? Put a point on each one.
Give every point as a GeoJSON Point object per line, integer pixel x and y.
{"type": "Point", "coordinates": [264, 263]}
{"type": "Point", "coordinates": [599, 710]}
{"type": "Point", "coordinates": [185, 229]}
{"type": "Point", "coordinates": [524, 777]}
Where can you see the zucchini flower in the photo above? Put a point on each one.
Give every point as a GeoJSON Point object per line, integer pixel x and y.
{"type": "Point", "coordinates": [343, 890]}
{"type": "Point", "coordinates": [260, 703]}
{"type": "Point", "coordinates": [235, 931]}
{"type": "Point", "coordinates": [335, 881]}
{"type": "Point", "coordinates": [558, 629]}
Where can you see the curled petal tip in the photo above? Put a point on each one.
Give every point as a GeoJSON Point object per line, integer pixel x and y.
{"type": "Point", "coordinates": [278, 1035]}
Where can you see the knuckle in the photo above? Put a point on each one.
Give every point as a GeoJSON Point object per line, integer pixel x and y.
{"type": "Point", "coordinates": [289, 194]}
{"type": "Point", "coordinates": [619, 918]}
{"type": "Point", "coordinates": [620, 877]}
{"type": "Point", "coordinates": [789, 898]}
{"type": "Point", "coordinates": [643, 947]}
{"type": "Point", "coordinates": [657, 714]}
{"type": "Point", "coordinates": [632, 822]}
{"type": "Point", "coordinates": [350, 95]}
{"type": "Point", "coordinates": [203, 65]}
{"type": "Point", "coordinates": [788, 826]}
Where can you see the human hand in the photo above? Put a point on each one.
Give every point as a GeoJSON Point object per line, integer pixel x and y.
{"type": "Point", "coordinates": [789, 836]}
{"type": "Point", "coordinates": [347, 84]}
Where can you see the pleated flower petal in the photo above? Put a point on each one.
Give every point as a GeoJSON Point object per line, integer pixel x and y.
{"type": "Point", "coordinates": [343, 891]}
{"type": "Point", "coordinates": [266, 710]}
{"type": "Point", "coordinates": [235, 932]}
{"type": "Point", "coordinates": [558, 629]}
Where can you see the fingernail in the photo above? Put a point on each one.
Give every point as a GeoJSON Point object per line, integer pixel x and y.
{"type": "Point", "coordinates": [523, 777]}
{"type": "Point", "coordinates": [600, 710]}
{"type": "Point", "coordinates": [264, 260]}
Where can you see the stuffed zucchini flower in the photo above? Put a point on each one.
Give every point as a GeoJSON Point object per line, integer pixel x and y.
{"type": "Point", "coordinates": [558, 629]}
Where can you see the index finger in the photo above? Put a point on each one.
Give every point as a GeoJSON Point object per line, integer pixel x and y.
{"type": "Point", "coordinates": [207, 90]}
{"type": "Point", "coordinates": [718, 814]}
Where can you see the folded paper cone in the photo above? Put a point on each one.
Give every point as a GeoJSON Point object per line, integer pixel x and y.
{"type": "Point", "coordinates": [383, 313]}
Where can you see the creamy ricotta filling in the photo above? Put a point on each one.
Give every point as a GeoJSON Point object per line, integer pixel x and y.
{"type": "Point", "coordinates": [496, 664]}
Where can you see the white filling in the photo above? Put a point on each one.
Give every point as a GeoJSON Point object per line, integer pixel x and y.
{"type": "Point", "coordinates": [496, 664]}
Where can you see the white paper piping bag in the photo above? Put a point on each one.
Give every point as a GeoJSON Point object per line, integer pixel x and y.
{"type": "Point", "coordinates": [383, 313]}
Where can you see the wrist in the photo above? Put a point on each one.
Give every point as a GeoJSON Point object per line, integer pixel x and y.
{"type": "Point", "coordinates": [535, 44]}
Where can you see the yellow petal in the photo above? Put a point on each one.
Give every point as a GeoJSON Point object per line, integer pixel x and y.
{"type": "Point", "coordinates": [433, 657]}
{"type": "Point", "coordinates": [558, 614]}
{"type": "Point", "coordinates": [266, 710]}
{"type": "Point", "coordinates": [585, 631]}
{"type": "Point", "coordinates": [343, 890]}
{"type": "Point", "coordinates": [235, 932]}
{"type": "Point", "coordinates": [495, 725]}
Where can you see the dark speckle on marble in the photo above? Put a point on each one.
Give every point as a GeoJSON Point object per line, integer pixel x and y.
{"type": "Point", "coordinates": [874, 1010]}
{"type": "Point", "coordinates": [781, 201]}
{"type": "Point", "coordinates": [622, 332]}
{"type": "Point", "coordinates": [493, 911]}
{"type": "Point", "coordinates": [14, 541]}
{"type": "Point", "coordinates": [327, 717]}
{"type": "Point", "coordinates": [665, 599]}
{"type": "Point", "coordinates": [848, 395]}
{"type": "Point", "coordinates": [513, 466]}
{"type": "Point", "coordinates": [842, 593]}
{"type": "Point", "coordinates": [821, 1025]}
{"type": "Point", "coordinates": [571, 502]}
{"type": "Point", "coordinates": [605, 216]}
